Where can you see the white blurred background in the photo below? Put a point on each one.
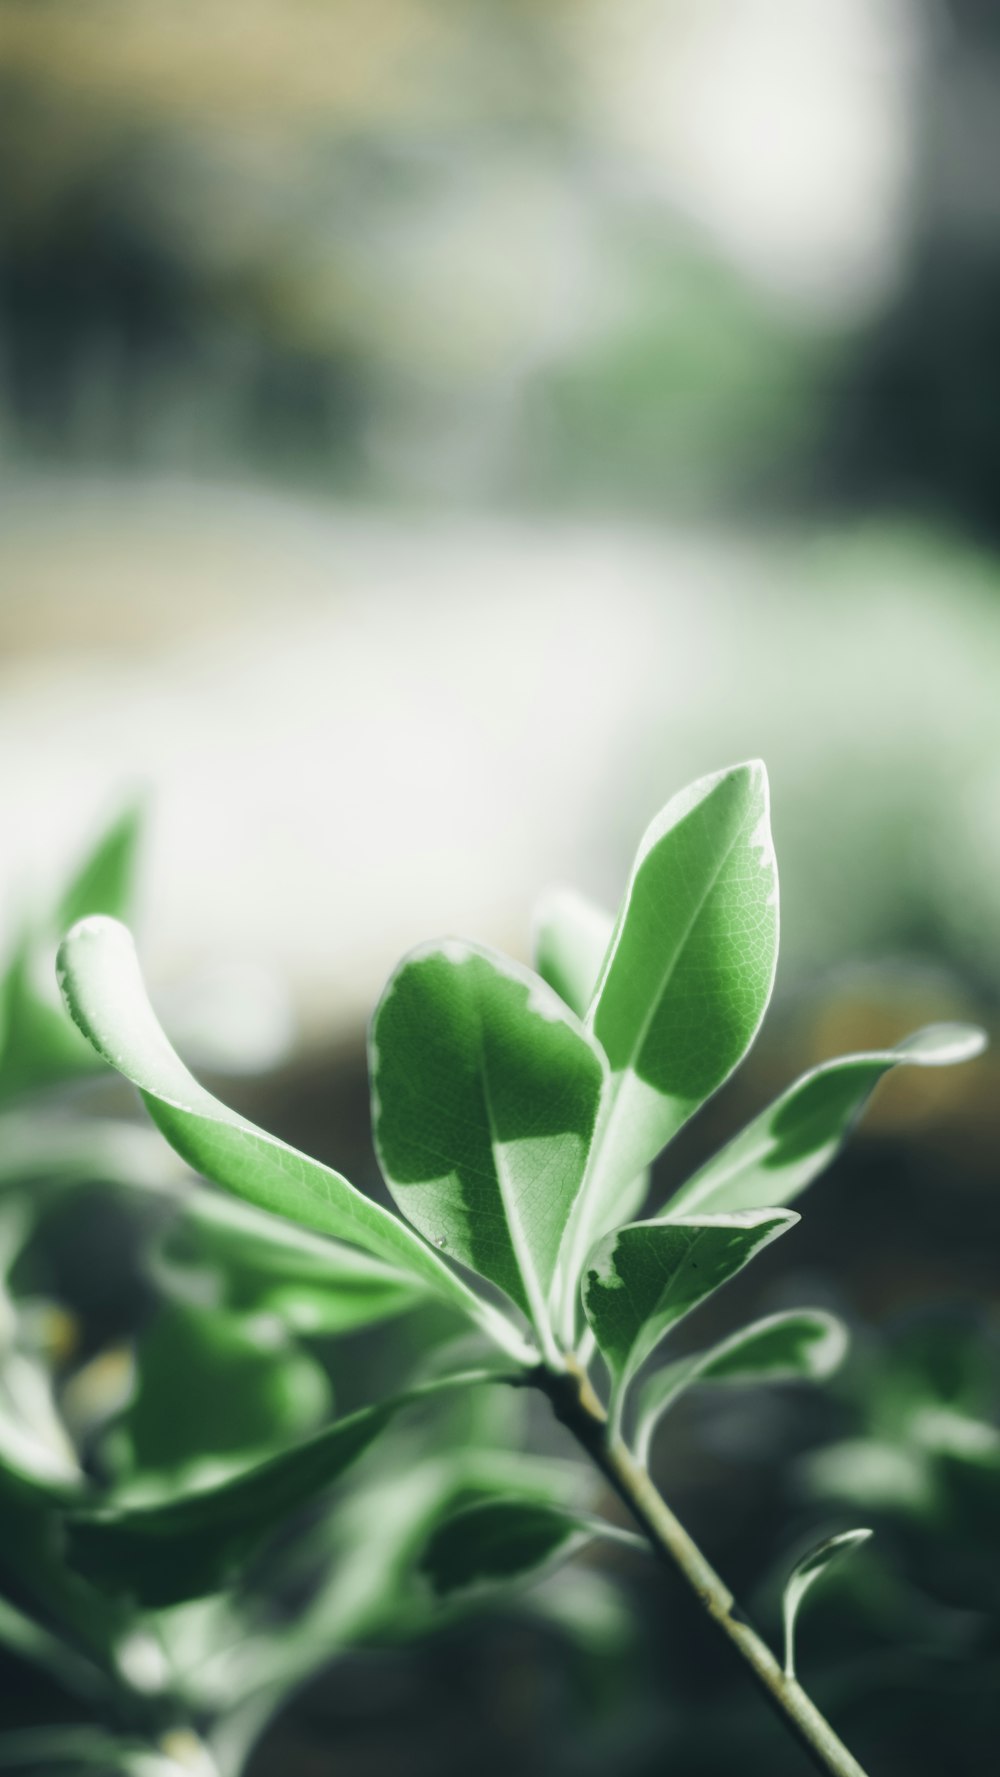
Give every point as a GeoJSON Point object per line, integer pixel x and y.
{"type": "Point", "coordinates": [431, 435]}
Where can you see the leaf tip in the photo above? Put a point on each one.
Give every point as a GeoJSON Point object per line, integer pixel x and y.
{"type": "Point", "coordinates": [945, 1044]}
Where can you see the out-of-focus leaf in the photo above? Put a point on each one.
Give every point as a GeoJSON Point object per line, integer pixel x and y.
{"type": "Point", "coordinates": [98, 1391]}
{"type": "Point", "coordinates": [213, 1390]}
{"type": "Point", "coordinates": [34, 1445]}
{"type": "Point", "coordinates": [874, 1475]}
{"type": "Point", "coordinates": [642, 1279]}
{"type": "Point", "coordinates": [804, 1574]}
{"type": "Point", "coordinates": [103, 988]}
{"type": "Point", "coordinates": [257, 1263]}
{"type": "Point", "coordinates": [38, 1044]}
{"type": "Point", "coordinates": [571, 939]}
{"type": "Point", "coordinates": [38, 1644]}
{"type": "Point", "coordinates": [784, 1149]}
{"type": "Point", "coordinates": [187, 1547]}
{"type": "Point", "coordinates": [485, 1093]}
{"type": "Point", "coordinates": [180, 1751]}
{"type": "Point", "coordinates": [803, 1344]}
{"type": "Point", "coordinates": [685, 982]}
{"type": "Point", "coordinates": [105, 881]}
{"type": "Point", "coordinates": [54, 1151]}
{"type": "Point", "coordinates": [927, 1447]}
{"type": "Point", "coordinates": [499, 1539]}
{"type": "Point", "coordinates": [362, 1557]}
{"type": "Point", "coordinates": [70, 1751]}
{"type": "Point", "coordinates": [33, 1515]}
{"type": "Point", "coordinates": [590, 1609]}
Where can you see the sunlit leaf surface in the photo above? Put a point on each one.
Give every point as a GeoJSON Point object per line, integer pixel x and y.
{"type": "Point", "coordinates": [783, 1149]}
{"type": "Point", "coordinates": [685, 982]}
{"type": "Point", "coordinates": [644, 1278]}
{"type": "Point", "coordinates": [485, 1093]}
{"type": "Point", "coordinates": [571, 941]}
{"type": "Point", "coordinates": [101, 982]}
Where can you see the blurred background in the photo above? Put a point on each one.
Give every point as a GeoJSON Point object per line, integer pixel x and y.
{"type": "Point", "coordinates": [432, 432]}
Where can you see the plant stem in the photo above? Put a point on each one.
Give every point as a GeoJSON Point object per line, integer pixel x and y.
{"type": "Point", "coordinates": [577, 1407]}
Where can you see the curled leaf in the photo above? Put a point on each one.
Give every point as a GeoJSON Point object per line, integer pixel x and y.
{"type": "Point", "coordinates": [803, 1344]}
{"type": "Point", "coordinates": [104, 992]}
{"type": "Point", "coordinates": [804, 1574]}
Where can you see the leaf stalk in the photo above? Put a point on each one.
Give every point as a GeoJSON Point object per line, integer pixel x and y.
{"type": "Point", "coordinates": [577, 1407]}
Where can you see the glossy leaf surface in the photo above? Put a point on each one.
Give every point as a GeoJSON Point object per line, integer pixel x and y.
{"type": "Point", "coordinates": [784, 1149]}
{"type": "Point", "coordinates": [690, 969]}
{"type": "Point", "coordinates": [643, 1279]}
{"type": "Point", "coordinates": [485, 1093]}
{"type": "Point", "coordinates": [804, 1574]}
{"type": "Point", "coordinates": [684, 985]}
{"type": "Point", "coordinates": [805, 1344]}
{"type": "Point", "coordinates": [103, 988]}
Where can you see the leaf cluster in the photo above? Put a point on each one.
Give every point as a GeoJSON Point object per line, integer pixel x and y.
{"type": "Point", "coordinates": [516, 1114]}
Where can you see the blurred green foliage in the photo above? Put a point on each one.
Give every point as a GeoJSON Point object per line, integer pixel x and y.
{"type": "Point", "coordinates": [165, 1390]}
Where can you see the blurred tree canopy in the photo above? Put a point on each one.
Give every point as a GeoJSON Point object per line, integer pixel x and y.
{"type": "Point", "coordinates": [406, 246]}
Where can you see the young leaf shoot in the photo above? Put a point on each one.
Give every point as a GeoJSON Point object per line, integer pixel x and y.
{"type": "Point", "coordinates": [804, 1575]}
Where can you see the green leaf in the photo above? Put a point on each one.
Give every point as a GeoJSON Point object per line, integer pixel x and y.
{"type": "Point", "coordinates": [39, 1645]}
{"type": "Point", "coordinates": [255, 1263]}
{"type": "Point", "coordinates": [190, 1546]}
{"type": "Point", "coordinates": [782, 1151]}
{"type": "Point", "coordinates": [504, 1537]}
{"type": "Point", "coordinates": [803, 1576]}
{"type": "Point", "coordinates": [69, 1751]}
{"type": "Point", "coordinates": [105, 881]}
{"type": "Point", "coordinates": [642, 1279]}
{"type": "Point", "coordinates": [571, 939]}
{"type": "Point", "coordinates": [804, 1344]}
{"type": "Point", "coordinates": [35, 1448]}
{"type": "Point", "coordinates": [570, 943]}
{"type": "Point", "coordinates": [36, 1454]}
{"type": "Point", "coordinates": [685, 983]}
{"type": "Point", "coordinates": [485, 1092]}
{"type": "Point", "coordinates": [38, 1045]}
{"type": "Point", "coordinates": [499, 1539]}
{"type": "Point", "coordinates": [103, 988]}
{"type": "Point", "coordinates": [213, 1390]}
